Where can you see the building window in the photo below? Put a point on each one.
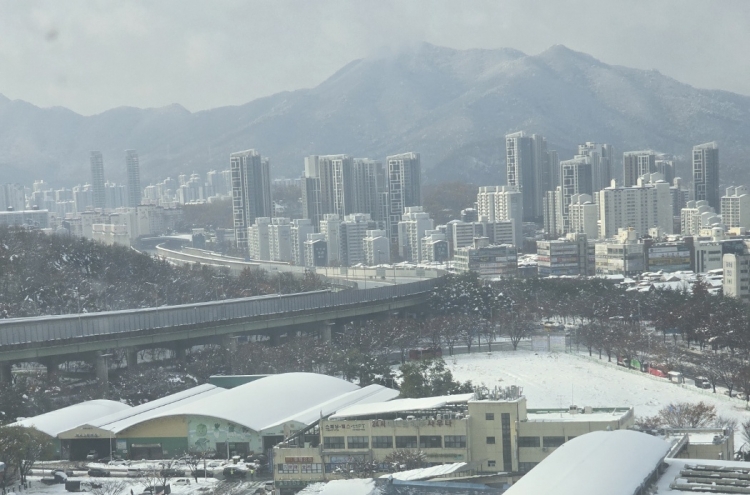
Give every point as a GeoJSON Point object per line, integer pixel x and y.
{"type": "Point", "coordinates": [333, 443]}
{"type": "Point", "coordinates": [491, 463]}
{"type": "Point", "coordinates": [525, 467]}
{"type": "Point", "coordinates": [529, 442]}
{"type": "Point", "coordinates": [310, 468]}
{"type": "Point", "coordinates": [505, 425]}
{"type": "Point", "coordinates": [489, 416]}
{"type": "Point", "coordinates": [552, 441]}
{"type": "Point", "coordinates": [382, 442]}
{"type": "Point", "coordinates": [455, 441]}
{"type": "Point", "coordinates": [406, 442]}
{"type": "Point", "coordinates": [490, 440]}
{"type": "Point", "coordinates": [570, 438]}
{"type": "Point", "coordinates": [430, 442]}
{"type": "Point", "coordinates": [358, 442]}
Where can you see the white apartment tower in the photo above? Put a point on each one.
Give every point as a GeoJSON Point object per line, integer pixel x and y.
{"type": "Point", "coordinates": [353, 231]}
{"type": "Point", "coordinates": [299, 231]}
{"type": "Point", "coordinates": [330, 227]}
{"type": "Point", "coordinates": [258, 239]}
{"type": "Point", "coordinates": [404, 187]}
{"type": "Point", "coordinates": [251, 192]}
{"type": "Point", "coordinates": [639, 207]}
{"type": "Point", "coordinates": [735, 208]}
{"type": "Point", "coordinates": [377, 247]}
{"type": "Point", "coordinates": [583, 214]}
{"type": "Point", "coordinates": [502, 203]}
{"type": "Point", "coordinates": [411, 229]}
{"type": "Point", "coordinates": [696, 216]}
{"type": "Point", "coordinates": [132, 168]}
{"type": "Point", "coordinates": [280, 239]}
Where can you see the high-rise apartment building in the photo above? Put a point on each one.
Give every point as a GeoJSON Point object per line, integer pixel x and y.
{"type": "Point", "coordinates": [280, 239]}
{"type": "Point", "coordinates": [706, 173]}
{"type": "Point", "coordinates": [696, 216]}
{"type": "Point", "coordinates": [583, 214]}
{"type": "Point", "coordinates": [251, 192]}
{"type": "Point", "coordinates": [602, 163]}
{"type": "Point", "coordinates": [639, 207]}
{"type": "Point", "coordinates": [576, 177]}
{"type": "Point", "coordinates": [735, 208]}
{"type": "Point", "coordinates": [132, 168]}
{"type": "Point", "coordinates": [404, 187]}
{"type": "Point", "coordinates": [377, 247]}
{"type": "Point", "coordinates": [99, 199]}
{"type": "Point", "coordinates": [300, 229]}
{"type": "Point", "coordinates": [258, 242]}
{"type": "Point", "coordinates": [330, 227]}
{"type": "Point", "coordinates": [411, 229]}
{"type": "Point", "coordinates": [636, 164]}
{"type": "Point", "coordinates": [353, 231]}
{"type": "Point", "coordinates": [529, 171]}
{"type": "Point", "coordinates": [502, 203]}
{"type": "Point", "coordinates": [13, 198]}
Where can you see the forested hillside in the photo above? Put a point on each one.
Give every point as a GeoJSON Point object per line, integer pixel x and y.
{"type": "Point", "coordinates": [50, 274]}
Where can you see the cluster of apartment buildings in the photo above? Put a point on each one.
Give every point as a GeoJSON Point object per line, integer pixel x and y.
{"type": "Point", "coordinates": [99, 210]}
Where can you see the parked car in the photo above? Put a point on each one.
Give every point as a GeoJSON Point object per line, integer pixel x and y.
{"type": "Point", "coordinates": [180, 482]}
{"type": "Point", "coordinates": [92, 455]}
{"type": "Point", "coordinates": [702, 382]}
{"type": "Point", "coordinates": [133, 473]}
{"type": "Point", "coordinates": [200, 473]}
{"type": "Point", "coordinates": [98, 473]}
{"type": "Point", "coordinates": [268, 485]}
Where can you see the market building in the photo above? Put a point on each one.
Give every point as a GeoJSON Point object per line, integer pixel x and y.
{"type": "Point", "coordinates": [496, 433]}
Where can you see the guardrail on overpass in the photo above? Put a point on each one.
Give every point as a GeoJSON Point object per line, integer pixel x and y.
{"type": "Point", "coordinates": [62, 330]}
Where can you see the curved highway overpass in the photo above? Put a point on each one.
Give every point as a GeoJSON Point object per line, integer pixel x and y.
{"type": "Point", "coordinates": [50, 339]}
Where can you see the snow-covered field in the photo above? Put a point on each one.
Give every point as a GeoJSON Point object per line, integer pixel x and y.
{"type": "Point", "coordinates": [559, 380]}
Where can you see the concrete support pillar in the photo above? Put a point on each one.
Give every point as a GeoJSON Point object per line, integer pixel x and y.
{"type": "Point", "coordinates": [131, 358]}
{"type": "Point", "coordinates": [6, 373]}
{"type": "Point", "coordinates": [53, 367]}
{"type": "Point", "coordinates": [180, 352]}
{"type": "Point", "coordinates": [229, 342]}
{"type": "Point", "coordinates": [275, 338]}
{"type": "Point", "coordinates": [102, 373]}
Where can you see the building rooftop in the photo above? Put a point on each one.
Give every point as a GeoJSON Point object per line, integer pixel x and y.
{"type": "Point", "coordinates": [401, 406]}
{"type": "Point", "coordinates": [55, 422]}
{"type": "Point", "coordinates": [616, 462]}
{"type": "Point", "coordinates": [564, 415]}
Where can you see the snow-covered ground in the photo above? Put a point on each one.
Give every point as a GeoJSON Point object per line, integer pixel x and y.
{"type": "Point", "coordinates": [126, 485]}
{"type": "Point", "coordinates": [559, 380]}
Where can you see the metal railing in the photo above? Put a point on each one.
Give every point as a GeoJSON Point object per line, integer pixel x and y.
{"type": "Point", "coordinates": [20, 331]}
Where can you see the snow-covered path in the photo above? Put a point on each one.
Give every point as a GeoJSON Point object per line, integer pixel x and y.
{"type": "Point", "coordinates": [559, 380]}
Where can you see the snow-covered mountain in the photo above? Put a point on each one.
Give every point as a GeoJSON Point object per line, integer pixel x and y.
{"type": "Point", "coordinates": [453, 106]}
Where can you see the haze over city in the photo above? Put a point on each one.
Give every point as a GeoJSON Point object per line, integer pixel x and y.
{"type": "Point", "coordinates": [94, 56]}
{"type": "Point", "coordinates": [374, 248]}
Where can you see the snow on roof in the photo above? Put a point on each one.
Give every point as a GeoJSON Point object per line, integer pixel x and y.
{"type": "Point", "coordinates": [55, 422]}
{"type": "Point", "coordinates": [401, 405]}
{"type": "Point", "coordinates": [368, 395]}
{"type": "Point", "coordinates": [428, 473]}
{"type": "Point", "coordinates": [123, 420]}
{"type": "Point", "coordinates": [362, 486]}
{"type": "Point", "coordinates": [612, 462]}
{"type": "Point", "coordinates": [260, 404]}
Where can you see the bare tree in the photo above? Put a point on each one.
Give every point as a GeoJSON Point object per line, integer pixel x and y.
{"type": "Point", "coordinates": [405, 459]}
{"type": "Point", "coordinates": [687, 415]}
{"type": "Point", "coordinates": [109, 487]}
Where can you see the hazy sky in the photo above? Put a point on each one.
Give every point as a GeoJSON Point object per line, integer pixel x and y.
{"type": "Point", "coordinates": [93, 55]}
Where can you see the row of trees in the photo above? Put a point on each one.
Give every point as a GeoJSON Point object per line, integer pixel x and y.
{"type": "Point", "coordinates": [49, 274]}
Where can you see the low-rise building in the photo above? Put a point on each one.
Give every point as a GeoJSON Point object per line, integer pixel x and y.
{"type": "Point", "coordinates": [434, 247]}
{"type": "Point", "coordinates": [316, 250]}
{"type": "Point", "coordinates": [571, 255]}
{"type": "Point", "coordinates": [29, 218]}
{"type": "Point", "coordinates": [377, 247]}
{"type": "Point", "coordinates": [488, 260]}
{"type": "Point", "coordinates": [622, 255]}
{"type": "Point", "coordinates": [495, 433]}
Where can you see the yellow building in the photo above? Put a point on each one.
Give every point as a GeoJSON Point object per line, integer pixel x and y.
{"type": "Point", "coordinates": [494, 434]}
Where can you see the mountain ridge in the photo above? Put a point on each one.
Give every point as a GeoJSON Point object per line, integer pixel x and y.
{"type": "Point", "coordinates": [452, 106]}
